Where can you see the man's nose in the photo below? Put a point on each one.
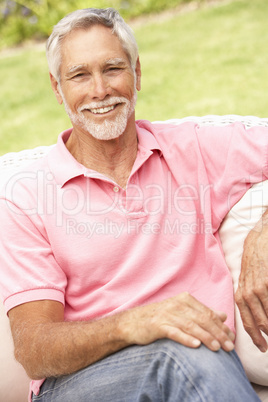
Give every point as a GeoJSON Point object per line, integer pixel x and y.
{"type": "Point", "coordinates": [100, 87]}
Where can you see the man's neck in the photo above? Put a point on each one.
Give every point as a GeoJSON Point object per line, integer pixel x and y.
{"type": "Point", "coordinates": [113, 158]}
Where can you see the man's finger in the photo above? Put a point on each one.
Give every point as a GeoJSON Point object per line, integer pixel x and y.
{"type": "Point", "coordinates": [250, 324]}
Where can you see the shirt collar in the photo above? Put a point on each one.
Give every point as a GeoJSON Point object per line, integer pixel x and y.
{"type": "Point", "coordinates": [146, 138]}
{"type": "Point", "coordinates": [65, 167]}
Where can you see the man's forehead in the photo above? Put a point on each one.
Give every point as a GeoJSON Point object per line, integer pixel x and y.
{"type": "Point", "coordinates": [76, 47]}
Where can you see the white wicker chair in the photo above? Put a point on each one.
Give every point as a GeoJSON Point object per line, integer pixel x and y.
{"type": "Point", "coordinates": [14, 382]}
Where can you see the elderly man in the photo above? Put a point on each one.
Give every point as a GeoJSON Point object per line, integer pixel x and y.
{"type": "Point", "coordinates": [111, 269]}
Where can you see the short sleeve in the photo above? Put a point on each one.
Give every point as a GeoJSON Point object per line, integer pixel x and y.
{"type": "Point", "coordinates": [28, 268]}
{"type": "Point", "coordinates": [234, 158]}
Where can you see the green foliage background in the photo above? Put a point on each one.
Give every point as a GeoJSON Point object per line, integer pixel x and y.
{"type": "Point", "coordinates": [24, 19]}
{"type": "Point", "coordinates": [213, 60]}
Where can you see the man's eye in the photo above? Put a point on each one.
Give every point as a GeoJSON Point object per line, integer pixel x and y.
{"type": "Point", "coordinates": [113, 69]}
{"type": "Point", "coordinates": [80, 75]}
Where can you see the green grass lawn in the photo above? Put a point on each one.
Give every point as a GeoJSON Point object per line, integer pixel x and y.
{"type": "Point", "coordinates": [210, 61]}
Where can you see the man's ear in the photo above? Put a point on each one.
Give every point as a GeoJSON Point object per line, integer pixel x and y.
{"type": "Point", "coordinates": [55, 88]}
{"type": "Point", "coordinates": [138, 74]}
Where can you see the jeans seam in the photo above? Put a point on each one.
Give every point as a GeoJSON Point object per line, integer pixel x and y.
{"type": "Point", "coordinates": [185, 373]}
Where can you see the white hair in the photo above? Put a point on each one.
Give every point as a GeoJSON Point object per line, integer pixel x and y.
{"type": "Point", "coordinates": [84, 19]}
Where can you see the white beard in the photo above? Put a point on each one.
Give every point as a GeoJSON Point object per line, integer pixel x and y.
{"type": "Point", "coordinates": [110, 128]}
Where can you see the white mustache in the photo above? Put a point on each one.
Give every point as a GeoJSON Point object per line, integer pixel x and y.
{"type": "Point", "coordinates": [98, 105]}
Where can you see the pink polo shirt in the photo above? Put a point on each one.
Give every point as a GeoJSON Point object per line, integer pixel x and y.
{"type": "Point", "coordinates": [72, 235]}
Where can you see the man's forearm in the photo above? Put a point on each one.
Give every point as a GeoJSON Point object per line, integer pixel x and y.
{"type": "Point", "coordinates": [55, 349]}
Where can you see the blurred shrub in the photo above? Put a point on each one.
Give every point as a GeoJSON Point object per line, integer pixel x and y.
{"type": "Point", "coordinates": [25, 19]}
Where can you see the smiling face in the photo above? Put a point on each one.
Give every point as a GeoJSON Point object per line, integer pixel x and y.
{"type": "Point", "coordinates": [97, 86]}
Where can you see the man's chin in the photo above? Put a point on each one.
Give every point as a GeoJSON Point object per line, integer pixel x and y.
{"type": "Point", "coordinates": [104, 133]}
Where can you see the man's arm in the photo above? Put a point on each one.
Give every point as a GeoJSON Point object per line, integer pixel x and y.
{"type": "Point", "coordinates": [252, 293]}
{"type": "Point", "coordinates": [47, 346]}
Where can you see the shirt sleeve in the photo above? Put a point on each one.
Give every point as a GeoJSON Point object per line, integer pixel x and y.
{"type": "Point", "coordinates": [28, 268]}
{"type": "Point", "coordinates": [235, 158]}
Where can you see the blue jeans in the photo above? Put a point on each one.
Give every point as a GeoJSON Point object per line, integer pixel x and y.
{"type": "Point", "coordinates": [161, 371]}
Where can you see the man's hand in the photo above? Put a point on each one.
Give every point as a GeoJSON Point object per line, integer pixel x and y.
{"type": "Point", "coordinates": [252, 293]}
{"type": "Point", "coordinates": [181, 318]}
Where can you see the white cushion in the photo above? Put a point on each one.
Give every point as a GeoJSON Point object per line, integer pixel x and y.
{"type": "Point", "coordinates": [14, 383]}
{"type": "Point", "coordinates": [240, 220]}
